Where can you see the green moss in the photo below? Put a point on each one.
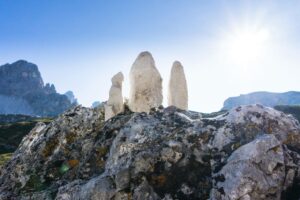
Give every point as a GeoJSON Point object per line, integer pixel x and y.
{"type": "Point", "coordinates": [4, 158]}
{"type": "Point", "coordinates": [44, 120]}
{"type": "Point", "coordinates": [102, 151]}
{"type": "Point", "coordinates": [64, 168]}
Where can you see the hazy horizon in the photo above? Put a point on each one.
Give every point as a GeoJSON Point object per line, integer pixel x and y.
{"type": "Point", "coordinates": [227, 48]}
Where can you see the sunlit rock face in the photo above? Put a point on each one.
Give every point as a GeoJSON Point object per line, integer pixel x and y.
{"type": "Point", "coordinates": [263, 157]}
{"type": "Point", "coordinates": [250, 152]}
{"type": "Point", "coordinates": [20, 78]}
{"type": "Point", "coordinates": [145, 84]}
{"type": "Point", "coordinates": [115, 103]}
{"type": "Point", "coordinates": [178, 91]}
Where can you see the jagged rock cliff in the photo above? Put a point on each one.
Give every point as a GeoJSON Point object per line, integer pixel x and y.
{"type": "Point", "coordinates": [22, 91]}
{"type": "Point", "coordinates": [250, 152]}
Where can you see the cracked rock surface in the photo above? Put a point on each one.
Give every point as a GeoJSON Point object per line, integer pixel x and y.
{"type": "Point", "coordinates": [250, 152]}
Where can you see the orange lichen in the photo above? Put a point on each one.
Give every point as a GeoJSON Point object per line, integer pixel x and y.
{"type": "Point", "coordinates": [159, 180]}
{"type": "Point", "coordinates": [73, 163]}
{"type": "Point", "coordinates": [270, 130]}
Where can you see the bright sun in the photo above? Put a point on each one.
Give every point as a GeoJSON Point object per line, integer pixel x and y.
{"type": "Point", "coordinates": [245, 46]}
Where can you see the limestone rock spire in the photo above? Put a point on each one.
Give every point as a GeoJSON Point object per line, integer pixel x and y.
{"type": "Point", "coordinates": [178, 91]}
{"type": "Point", "coordinates": [145, 84]}
{"type": "Point", "coordinates": [115, 103]}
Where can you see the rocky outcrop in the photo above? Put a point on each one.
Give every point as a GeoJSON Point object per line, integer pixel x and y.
{"type": "Point", "coordinates": [250, 152]}
{"type": "Point", "coordinates": [264, 98]}
{"type": "Point", "coordinates": [254, 171]}
{"type": "Point", "coordinates": [22, 91]}
{"type": "Point", "coordinates": [178, 91]}
{"type": "Point", "coordinates": [145, 84]}
{"type": "Point", "coordinates": [115, 103]}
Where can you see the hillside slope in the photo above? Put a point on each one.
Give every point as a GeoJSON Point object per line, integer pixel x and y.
{"type": "Point", "coordinates": [13, 128]}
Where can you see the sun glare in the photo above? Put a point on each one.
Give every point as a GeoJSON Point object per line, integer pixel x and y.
{"type": "Point", "coordinates": [247, 46]}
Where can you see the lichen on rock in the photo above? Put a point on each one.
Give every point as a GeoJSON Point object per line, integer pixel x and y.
{"type": "Point", "coordinates": [250, 152]}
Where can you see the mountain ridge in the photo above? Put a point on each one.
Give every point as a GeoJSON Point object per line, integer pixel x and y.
{"type": "Point", "coordinates": [265, 98]}
{"type": "Point", "coordinates": [22, 91]}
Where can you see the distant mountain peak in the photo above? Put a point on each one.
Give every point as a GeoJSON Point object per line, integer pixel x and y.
{"type": "Point", "coordinates": [23, 64]}
{"type": "Point", "coordinates": [22, 89]}
{"type": "Point", "coordinates": [269, 99]}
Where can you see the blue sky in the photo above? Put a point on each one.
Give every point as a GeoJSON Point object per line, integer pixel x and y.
{"type": "Point", "coordinates": [227, 47]}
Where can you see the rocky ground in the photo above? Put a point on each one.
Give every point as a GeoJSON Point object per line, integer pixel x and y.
{"type": "Point", "coordinates": [250, 152]}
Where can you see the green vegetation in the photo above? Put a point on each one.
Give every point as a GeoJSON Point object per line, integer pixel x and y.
{"type": "Point", "coordinates": [12, 130]}
{"type": "Point", "coordinates": [11, 134]}
{"type": "Point", "coordinates": [12, 118]}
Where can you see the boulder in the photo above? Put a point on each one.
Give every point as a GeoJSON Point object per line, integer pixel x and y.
{"type": "Point", "coordinates": [254, 171]}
